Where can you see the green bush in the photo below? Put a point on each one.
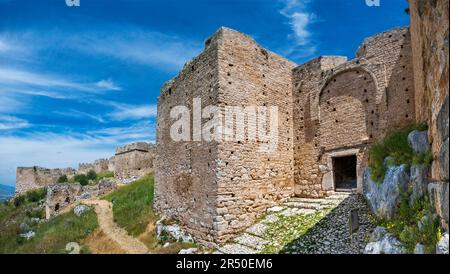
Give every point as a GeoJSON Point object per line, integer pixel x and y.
{"type": "Point", "coordinates": [91, 175]}
{"type": "Point", "coordinates": [19, 200]}
{"type": "Point", "coordinates": [62, 179]}
{"type": "Point", "coordinates": [36, 195]}
{"type": "Point", "coordinates": [405, 224]}
{"type": "Point", "coordinates": [396, 146]}
{"type": "Point", "coordinates": [82, 179]}
{"type": "Point", "coordinates": [106, 174]}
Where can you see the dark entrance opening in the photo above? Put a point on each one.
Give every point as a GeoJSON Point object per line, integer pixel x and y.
{"type": "Point", "coordinates": [344, 171]}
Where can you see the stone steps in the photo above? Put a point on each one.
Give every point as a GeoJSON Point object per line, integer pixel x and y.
{"type": "Point", "coordinates": [236, 249]}
{"type": "Point", "coordinates": [315, 206]}
{"type": "Point", "coordinates": [251, 241]}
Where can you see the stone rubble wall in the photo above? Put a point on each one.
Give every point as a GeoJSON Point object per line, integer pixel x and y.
{"type": "Point", "coordinates": [30, 178]}
{"type": "Point", "coordinates": [429, 34]}
{"type": "Point", "coordinates": [60, 196]}
{"type": "Point", "coordinates": [341, 107]}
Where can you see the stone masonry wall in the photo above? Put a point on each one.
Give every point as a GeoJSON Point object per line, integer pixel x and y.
{"type": "Point", "coordinates": [30, 178]}
{"type": "Point", "coordinates": [99, 166]}
{"type": "Point", "coordinates": [340, 107]}
{"type": "Point", "coordinates": [185, 171]}
{"type": "Point", "coordinates": [249, 181]}
{"type": "Point", "coordinates": [429, 31]}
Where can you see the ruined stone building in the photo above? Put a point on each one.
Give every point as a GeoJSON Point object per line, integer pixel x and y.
{"type": "Point", "coordinates": [99, 166]}
{"type": "Point", "coordinates": [330, 110]}
{"type": "Point", "coordinates": [134, 160]}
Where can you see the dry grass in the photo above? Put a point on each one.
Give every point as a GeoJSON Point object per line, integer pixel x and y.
{"type": "Point", "coordinates": [99, 243]}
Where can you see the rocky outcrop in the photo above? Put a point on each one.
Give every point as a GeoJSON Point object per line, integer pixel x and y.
{"type": "Point", "coordinates": [383, 242]}
{"type": "Point", "coordinates": [419, 181]}
{"type": "Point", "coordinates": [418, 141]}
{"type": "Point", "coordinates": [442, 246]}
{"type": "Point", "coordinates": [438, 192]}
{"type": "Point", "coordinates": [384, 198]}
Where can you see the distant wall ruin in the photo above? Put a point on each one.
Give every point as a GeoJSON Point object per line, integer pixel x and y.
{"type": "Point", "coordinates": [134, 161]}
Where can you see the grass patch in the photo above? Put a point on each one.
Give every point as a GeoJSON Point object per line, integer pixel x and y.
{"type": "Point", "coordinates": [395, 145]}
{"type": "Point", "coordinates": [50, 237]}
{"type": "Point", "coordinates": [132, 205]}
{"type": "Point", "coordinates": [405, 225]}
{"type": "Point", "coordinates": [297, 226]}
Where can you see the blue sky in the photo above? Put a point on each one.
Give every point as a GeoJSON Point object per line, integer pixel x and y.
{"type": "Point", "coordinates": [75, 82]}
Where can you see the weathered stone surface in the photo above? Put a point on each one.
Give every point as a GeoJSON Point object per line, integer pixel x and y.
{"type": "Point", "coordinates": [188, 251]}
{"type": "Point", "coordinates": [419, 181]}
{"type": "Point", "coordinates": [251, 241]}
{"type": "Point", "coordinates": [419, 249]}
{"type": "Point", "coordinates": [174, 231]}
{"type": "Point", "coordinates": [384, 243]}
{"type": "Point", "coordinates": [430, 51]}
{"type": "Point", "coordinates": [236, 249]}
{"type": "Point", "coordinates": [439, 197]}
{"type": "Point", "coordinates": [418, 141]}
{"type": "Point", "coordinates": [384, 198]}
{"type": "Point", "coordinates": [80, 210]}
{"type": "Point", "coordinates": [442, 245]}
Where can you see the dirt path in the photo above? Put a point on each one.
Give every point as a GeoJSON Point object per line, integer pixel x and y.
{"type": "Point", "coordinates": [106, 222]}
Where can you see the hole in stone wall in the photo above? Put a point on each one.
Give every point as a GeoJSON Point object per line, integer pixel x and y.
{"type": "Point", "coordinates": [407, 101]}
{"type": "Point", "coordinates": [407, 116]}
{"type": "Point", "coordinates": [344, 172]}
{"type": "Point", "coordinates": [229, 74]}
{"type": "Point", "coordinates": [403, 78]}
{"type": "Point", "coordinates": [334, 109]}
{"type": "Point", "coordinates": [337, 121]}
{"type": "Point", "coordinates": [231, 65]}
{"type": "Point", "coordinates": [56, 207]}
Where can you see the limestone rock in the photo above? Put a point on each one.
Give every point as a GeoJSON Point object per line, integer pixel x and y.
{"type": "Point", "coordinates": [418, 141]}
{"type": "Point", "coordinates": [419, 181]}
{"type": "Point", "coordinates": [438, 192]}
{"type": "Point", "coordinates": [30, 234]}
{"type": "Point", "coordinates": [442, 245]}
{"type": "Point", "coordinates": [419, 249]}
{"type": "Point", "coordinates": [384, 198]}
{"type": "Point", "coordinates": [174, 230]}
{"type": "Point", "coordinates": [80, 210]}
{"type": "Point", "coordinates": [188, 251]}
{"type": "Point", "coordinates": [385, 243]}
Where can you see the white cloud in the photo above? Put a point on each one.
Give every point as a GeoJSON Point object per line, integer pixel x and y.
{"type": "Point", "coordinates": [24, 79]}
{"type": "Point", "coordinates": [129, 112]}
{"type": "Point", "coordinates": [11, 122]}
{"type": "Point", "coordinates": [107, 84]}
{"type": "Point", "coordinates": [80, 114]}
{"type": "Point", "coordinates": [300, 18]}
{"type": "Point", "coordinates": [127, 43]}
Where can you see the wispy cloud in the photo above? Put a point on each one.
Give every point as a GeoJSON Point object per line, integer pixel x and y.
{"type": "Point", "coordinates": [127, 43]}
{"type": "Point", "coordinates": [107, 84]}
{"type": "Point", "coordinates": [80, 114]}
{"type": "Point", "coordinates": [300, 18]}
{"type": "Point", "coordinates": [11, 122]}
{"type": "Point", "coordinates": [25, 79]}
{"type": "Point", "coordinates": [129, 112]}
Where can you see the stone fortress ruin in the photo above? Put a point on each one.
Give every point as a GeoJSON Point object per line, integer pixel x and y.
{"type": "Point", "coordinates": [330, 110]}
{"type": "Point", "coordinates": [129, 163]}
